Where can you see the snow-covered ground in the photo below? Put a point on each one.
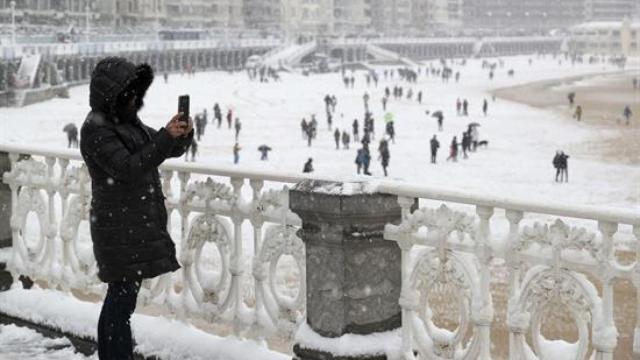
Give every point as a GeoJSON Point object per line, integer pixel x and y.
{"type": "Point", "coordinates": [58, 310]}
{"type": "Point", "coordinates": [517, 162]}
{"type": "Point", "coordinates": [19, 343]}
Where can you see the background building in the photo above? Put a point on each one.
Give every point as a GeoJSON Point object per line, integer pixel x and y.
{"type": "Point", "coordinates": [315, 17]}
{"type": "Point", "coordinates": [606, 37]}
{"type": "Point", "coordinates": [203, 14]}
{"type": "Point", "coordinates": [351, 16]}
{"type": "Point", "coordinates": [391, 17]}
{"type": "Point", "coordinates": [615, 10]}
{"type": "Point", "coordinates": [263, 14]}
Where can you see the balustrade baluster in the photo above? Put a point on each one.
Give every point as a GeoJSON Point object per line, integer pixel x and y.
{"type": "Point", "coordinates": [605, 340]}
{"type": "Point", "coordinates": [407, 296]}
{"type": "Point", "coordinates": [235, 266]}
{"type": "Point", "coordinates": [51, 231]}
{"type": "Point", "coordinates": [182, 205]}
{"type": "Point", "coordinates": [484, 316]}
{"type": "Point", "coordinates": [64, 189]}
{"type": "Point", "coordinates": [636, 282]}
{"type": "Point", "coordinates": [513, 264]}
{"type": "Point", "coordinates": [257, 222]}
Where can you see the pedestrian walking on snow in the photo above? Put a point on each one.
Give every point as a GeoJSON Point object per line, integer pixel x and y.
{"type": "Point", "coordinates": [578, 113]}
{"type": "Point", "coordinates": [355, 130]}
{"type": "Point", "coordinates": [72, 135]}
{"type": "Point", "coordinates": [303, 127]}
{"type": "Point", "coordinates": [336, 137]}
{"type": "Point", "coordinates": [435, 145]}
{"type": "Point", "coordinates": [466, 143]}
{"type": "Point", "coordinates": [561, 165]}
{"type": "Point", "coordinates": [346, 139]}
{"type": "Point", "coordinates": [365, 97]}
{"type": "Point", "coordinates": [391, 131]}
{"type": "Point", "coordinates": [383, 149]}
{"type": "Point", "coordinates": [571, 97]}
{"type": "Point", "coordinates": [217, 113]}
{"type": "Point", "coordinates": [237, 126]}
{"type": "Point", "coordinates": [627, 114]}
{"type": "Point", "coordinates": [229, 118]}
{"type": "Point", "coordinates": [453, 150]}
{"type": "Point", "coordinates": [236, 153]}
{"type": "Point", "coordinates": [264, 152]}
{"type": "Point", "coordinates": [193, 150]}
{"type": "Point", "coordinates": [485, 107]}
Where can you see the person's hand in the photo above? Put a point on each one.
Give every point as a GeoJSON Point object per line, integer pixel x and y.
{"type": "Point", "coordinates": [175, 127]}
{"type": "Point", "coordinates": [189, 126]}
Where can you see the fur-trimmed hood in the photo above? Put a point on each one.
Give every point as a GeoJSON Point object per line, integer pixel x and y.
{"type": "Point", "coordinates": [111, 77]}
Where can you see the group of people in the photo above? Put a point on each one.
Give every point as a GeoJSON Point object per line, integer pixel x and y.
{"type": "Point", "coordinates": [469, 143]}
{"type": "Point", "coordinates": [263, 74]}
{"type": "Point", "coordinates": [561, 165]}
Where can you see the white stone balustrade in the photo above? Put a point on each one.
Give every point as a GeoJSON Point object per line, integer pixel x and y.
{"type": "Point", "coordinates": [244, 293]}
{"type": "Point", "coordinates": [560, 257]}
{"type": "Point", "coordinates": [551, 265]}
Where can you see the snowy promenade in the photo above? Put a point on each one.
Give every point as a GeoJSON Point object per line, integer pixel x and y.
{"type": "Point", "coordinates": [516, 164]}
{"type": "Point", "coordinates": [522, 140]}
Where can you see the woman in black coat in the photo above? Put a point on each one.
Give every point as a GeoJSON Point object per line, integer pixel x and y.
{"type": "Point", "coordinates": [128, 215]}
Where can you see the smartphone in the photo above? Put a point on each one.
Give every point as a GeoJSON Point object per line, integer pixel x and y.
{"type": "Point", "coordinates": [183, 107]}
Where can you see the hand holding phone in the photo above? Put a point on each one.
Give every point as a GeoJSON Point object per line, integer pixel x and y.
{"type": "Point", "coordinates": [183, 107]}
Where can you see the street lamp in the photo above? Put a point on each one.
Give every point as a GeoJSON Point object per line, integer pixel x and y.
{"type": "Point", "coordinates": [157, 4]}
{"type": "Point", "coordinates": [13, 21]}
{"type": "Point", "coordinates": [490, 14]}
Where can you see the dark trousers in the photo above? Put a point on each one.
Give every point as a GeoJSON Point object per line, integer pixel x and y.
{"type": "Point", "coordinates": [114, 328]}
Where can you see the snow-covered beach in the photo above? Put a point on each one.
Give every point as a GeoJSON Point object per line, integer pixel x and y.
{"type": "Point", "coordinates": [522, 139]}
{"type": "Point", "coordinates": [516, 163]}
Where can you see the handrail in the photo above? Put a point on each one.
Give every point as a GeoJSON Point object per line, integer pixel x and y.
{"type": "Point", "coordinates": [399, 188]}
{"type": "Point", "coordinates": [551, 208]}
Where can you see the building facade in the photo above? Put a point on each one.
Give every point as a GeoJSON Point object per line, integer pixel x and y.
{"type": "Point", "coordinates": [204, 14]}
{"type": "Point", "coordinates": [606, 37]}
{"type": "Point", "coordinates": [263, 14]}
{"type": "Point", "coordinates": [609, 10]}
{"type": "Point", "coordinates": [391, 17]}
{"type": "Point", "coordinates": [351, 16]}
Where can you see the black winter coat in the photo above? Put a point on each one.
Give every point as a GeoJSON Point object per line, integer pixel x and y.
{"type": "Point", "coordinates": [128, 215]}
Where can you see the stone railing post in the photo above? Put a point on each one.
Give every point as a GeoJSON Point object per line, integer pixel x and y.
{"type": "Point", "coordinates": [353, 275]}
{"type": "Point", "coordinates": [5, 220]}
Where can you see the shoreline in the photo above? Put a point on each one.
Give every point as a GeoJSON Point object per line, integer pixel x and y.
{"type": "Point", "coordinates": [602, 97]}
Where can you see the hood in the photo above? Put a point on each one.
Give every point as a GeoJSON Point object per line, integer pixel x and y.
{"type": "Point", "coordinates": [111, 76]}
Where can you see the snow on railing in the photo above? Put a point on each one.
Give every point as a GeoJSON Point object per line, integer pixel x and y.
{"type": "Point", "coordinates": [549, 264]}
{"type": "Point", "coordinates": [229, 275]}
{"type": "Point", "coordinates": [561, 257]}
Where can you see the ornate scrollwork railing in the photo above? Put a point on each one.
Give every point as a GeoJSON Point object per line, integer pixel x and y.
{"type": "Point", "coordinates": [553, 269]}
{"type": "Point", "coordinates": [233, 240]}
{"type": "Point", "coordinates": [229, 275]}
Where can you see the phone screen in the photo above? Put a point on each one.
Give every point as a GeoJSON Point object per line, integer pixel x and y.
{"type": "Point", "coordinates": [183, 107]}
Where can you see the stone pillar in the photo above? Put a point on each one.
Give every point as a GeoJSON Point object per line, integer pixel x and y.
{"type": "Point", "coordinates": [5, 217]}
{"type": "Point", "coordinates": [353, 274]}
